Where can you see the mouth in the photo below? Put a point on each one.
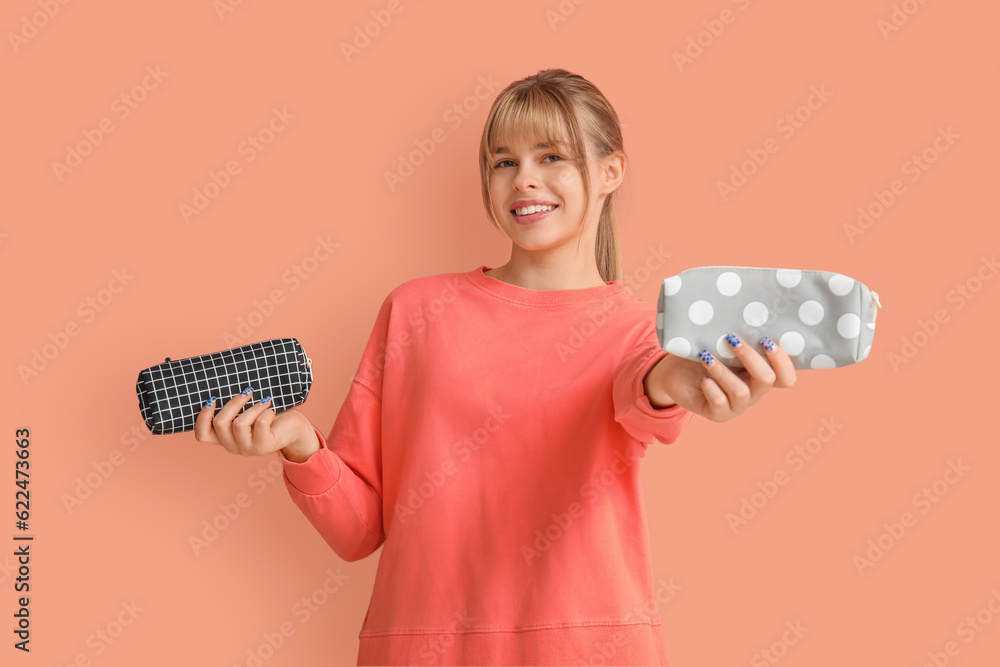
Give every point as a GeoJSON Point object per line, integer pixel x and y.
{"type": "Point", "coordinates": [527, 214]}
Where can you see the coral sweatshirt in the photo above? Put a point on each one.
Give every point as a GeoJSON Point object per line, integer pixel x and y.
{"type": "Point", "coordinates": [489, 442]}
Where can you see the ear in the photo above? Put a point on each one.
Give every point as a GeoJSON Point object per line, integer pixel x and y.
{"type": "Point", "coordinates": [612, 173]}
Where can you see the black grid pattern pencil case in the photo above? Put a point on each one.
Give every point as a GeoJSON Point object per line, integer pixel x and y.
{"type": "Point", "coordinates": [822, 319]}
{"type": "Point", "coordinates": [172, 393]}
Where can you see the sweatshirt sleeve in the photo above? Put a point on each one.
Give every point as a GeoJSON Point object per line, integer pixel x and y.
{"type": "Point", "coordinates": [339, 487]}
{"type": "Point", "coordinates": [632, 407]}
{"type": "Point", "coordinates": [343, 500]}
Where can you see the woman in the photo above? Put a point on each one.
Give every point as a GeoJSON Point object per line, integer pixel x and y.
{"type": "Point", "coordinates": [490, 437]}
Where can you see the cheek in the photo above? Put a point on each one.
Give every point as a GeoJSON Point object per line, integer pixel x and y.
{"type": "Point", "coordinates": [568, 180]}
{"type": "Point", "coordinates": [500, 183]}
{"type": "Point", "coordinates": [497, 193]}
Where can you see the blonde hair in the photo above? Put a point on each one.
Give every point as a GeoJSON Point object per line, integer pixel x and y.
{"type": "Point", "coordinates": [539, 106]}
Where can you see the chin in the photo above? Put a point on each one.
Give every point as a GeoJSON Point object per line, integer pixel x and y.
{"type": "Point", "coordinates": [540, 242]}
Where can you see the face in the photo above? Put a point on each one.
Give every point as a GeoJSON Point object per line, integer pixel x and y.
{"type": "Point", "coordinates": [530, 173]}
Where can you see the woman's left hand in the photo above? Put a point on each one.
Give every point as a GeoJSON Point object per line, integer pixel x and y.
{"type": "Point", "coordinates": [719, 393]}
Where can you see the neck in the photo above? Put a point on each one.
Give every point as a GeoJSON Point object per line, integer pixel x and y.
{"type": "Point", "coordinates": [548, 275]}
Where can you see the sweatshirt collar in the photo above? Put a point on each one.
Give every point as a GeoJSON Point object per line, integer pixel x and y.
{"type": "Point", "coordinates": [533, 297]}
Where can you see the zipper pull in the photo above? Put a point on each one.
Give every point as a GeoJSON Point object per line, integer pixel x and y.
{"type": "Point", "coordinates": [875, 300]}
{"type": "Point", "coordinates": [309, 362]}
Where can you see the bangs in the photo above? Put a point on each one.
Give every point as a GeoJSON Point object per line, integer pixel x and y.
{"type": "Point", "coordinates": [533, 116]}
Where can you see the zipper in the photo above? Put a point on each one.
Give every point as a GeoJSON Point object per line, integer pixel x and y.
{"type": "Point", "coordinates": [875, 301]}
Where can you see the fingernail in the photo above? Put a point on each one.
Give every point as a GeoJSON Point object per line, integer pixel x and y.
{"type": "Point", "coordinates": [210, 402]}
{"type": "Point", "coordinates": [247, 391]}
{"type": "Point", "coordinates": [265, 400]}
{"type": "Point", "coordinates": [767, 343]}
{"type": "Point", "coordinates": [732, 340]}
{"type": "Point", "coordinates": [706, 357]}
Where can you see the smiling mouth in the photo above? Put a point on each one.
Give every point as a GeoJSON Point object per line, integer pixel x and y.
{"type": "Point", "coordinates": [526, 211]}
{"type": "Point", "coordinates": [528, 215]}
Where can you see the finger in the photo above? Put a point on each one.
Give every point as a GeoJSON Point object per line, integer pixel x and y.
{"type": "Point", "coordinates": [263, 438]}
{"type": "Point", "coordinates": [762, 375]}
{"type": "Point", "coordinates": [203, 431]}
{"type": "Point", "coordinates": [245, 425]}
{"type": "Point", "coordinates": [736, 390]}
{"type": "Point", "coordinates": [717, 402]}
{"type": "Point", "coordinates": [784, 368]}
{"type": "Point", "coordinates": [223, 421]}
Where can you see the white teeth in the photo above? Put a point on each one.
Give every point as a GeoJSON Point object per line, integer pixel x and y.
{"type": "Point", "coordinates": [528, 210]}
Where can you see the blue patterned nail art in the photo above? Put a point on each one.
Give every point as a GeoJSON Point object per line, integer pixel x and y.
{"type": "Point", "coordinates": [767, 343]}
{"type": "Point", "coordinates": [210, 401]}
{"type": "Point", "coordinates": [706, 357]}
{"type": "Point", "coordinates": [247, 391]}
{"type": "Point", "coordinates": [265, 400]}
{"type": "Point", "coordinates": [732, 340]}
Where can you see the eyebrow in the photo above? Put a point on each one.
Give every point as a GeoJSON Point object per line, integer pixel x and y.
{"type": "Point", "coordinates": [541, 144]}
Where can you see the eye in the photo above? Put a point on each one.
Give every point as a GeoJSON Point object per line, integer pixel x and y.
{"type": "Point", "coordinates": [558, 158]}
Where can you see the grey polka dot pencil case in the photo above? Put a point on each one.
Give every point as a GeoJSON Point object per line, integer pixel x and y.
{"type": "Point", "coordinates": [172, 393]}
{"type": "Point", "coordinates": [821, 319]}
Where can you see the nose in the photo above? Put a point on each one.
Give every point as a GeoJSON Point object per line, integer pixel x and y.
{"type": "Point", "coordinates": [526, 177]}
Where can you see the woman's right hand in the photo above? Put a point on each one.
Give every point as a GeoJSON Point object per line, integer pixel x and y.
{"type": "Point", "coordinates": [258, 431]}
{"type": "Point", "coordinates": [713, 390]}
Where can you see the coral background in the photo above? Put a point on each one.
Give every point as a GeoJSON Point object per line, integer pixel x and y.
{"type": "Point", "coordinates": [175, 175]}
